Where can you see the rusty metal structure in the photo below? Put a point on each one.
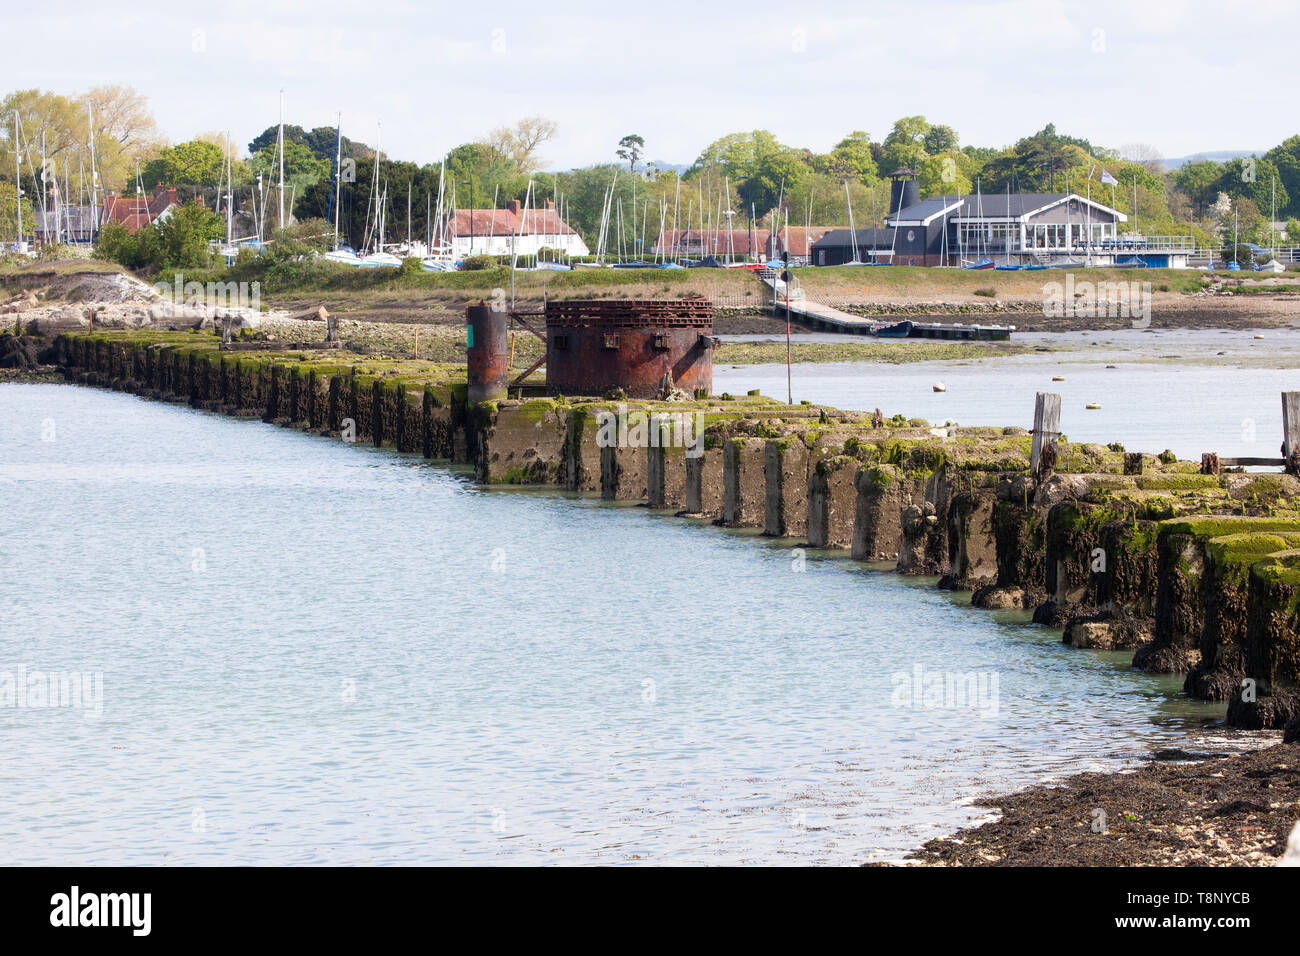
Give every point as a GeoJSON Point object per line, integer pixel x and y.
{"type": "Point", "coordinates": [488, 340]}
{"type": "Point", "coordinates": [634, 345]}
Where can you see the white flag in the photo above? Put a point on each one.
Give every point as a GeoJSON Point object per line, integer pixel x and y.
{"type": "Point", "coordinates": [1107, 178]}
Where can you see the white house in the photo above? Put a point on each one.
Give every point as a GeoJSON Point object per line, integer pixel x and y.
{"type": "Point", "coordinates": [511, 231]}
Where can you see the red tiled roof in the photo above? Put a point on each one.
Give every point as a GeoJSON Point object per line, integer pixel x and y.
{"type": "Point", "coordinates": [135, 212]}
{"type": "Point", "coordinates": [505, 222]}
{"type": "Point", "coordinates": [798, 239]}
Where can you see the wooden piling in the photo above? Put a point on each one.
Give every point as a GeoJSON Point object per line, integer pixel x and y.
{"type": "Point", "coordinates": [1047, 424]}
{"type": "Point", "coordinates": [1291, 432]}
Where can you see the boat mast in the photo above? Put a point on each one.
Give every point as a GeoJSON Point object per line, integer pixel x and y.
{"type": "Point", "coordinates": [281, 138]}
{"type": "Point", "coordinates": [338, 177]}
{"type": "Point", "coordinates": [45, 204]}
{"type": "Point", "coordinates": [853, 233]}
{"type": "Point", "coordinates": [1006, 236]}
{"type": "Point", "coordinates": [230, 194]}
{"type": "Point", "coordinates": [18, 183]}
{"type": "Point", "coordinates": [677, 205]}
{"type": "Point", "coordinates": [379, 200]}
{"type": "Point", "coordinates": [94, 170]}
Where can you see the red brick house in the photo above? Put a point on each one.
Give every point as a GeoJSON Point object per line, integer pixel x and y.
{"type": "Point", "coordinates": [135, 212]}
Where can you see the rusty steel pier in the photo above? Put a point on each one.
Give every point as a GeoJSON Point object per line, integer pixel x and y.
{"type": "Point", "coordinates": [636, 345]}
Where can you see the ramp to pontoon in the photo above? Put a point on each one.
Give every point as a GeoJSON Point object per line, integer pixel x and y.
{"type": "Point", "coordinates": [818, 316]}
{"type": "Point", "coordinates": [814, 314]}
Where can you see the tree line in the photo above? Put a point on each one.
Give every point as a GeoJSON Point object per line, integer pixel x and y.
{"type": "Point", "coordinates": [742, 178]}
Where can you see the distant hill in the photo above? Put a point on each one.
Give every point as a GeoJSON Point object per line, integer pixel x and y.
{"type": "Point", "coordinates": [664, 166]}
{"type": "Point", "coordinates": [1218, 155]}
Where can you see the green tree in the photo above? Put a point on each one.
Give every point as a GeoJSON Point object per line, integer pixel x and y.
{"type": "Point", "coordinates": [941, 139]}
{"type": "Point", "coordinates": [630, 148]}
{"type": "Point", "coordinates": [60, 118]}
{"type": "Point", "coordinates": [194, 163]}
{"type": "Point", "coordinates": [757, 164]}
{"type": "Point", "coordinates": [9, 214]}
{"type": "Point", "coordinates": [1286, 159]}
{"type": "Point", "coordinates": [179, 240]}
{"type": "Point", "coordinates": [943, 175]}
{"type": "Point", "coordinates": [489, 170]}
{"type": "Point", "coordinates": [850, 159]}
{"type": "Point", "coordinates": [1254, 178]}
{"type": "Point", "coordinates": [356, 202]}
{"type": "Point", "coordinates": [301, 167]}
{"type": "Point", "coordinates": [905, 144]}
{"type": "Point", "coordinates": [820, 199]}
{"type": "Point", "coordinates": [1199, 182]}
{"type": "Point", "coordinates": [322, 141]}
{"type": "Point", "coordinates": [184, 236]}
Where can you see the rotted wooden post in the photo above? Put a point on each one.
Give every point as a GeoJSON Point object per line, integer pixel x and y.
{"type": "Point", "coordinates": [1291, 433]}
{"type": "Point", "coordinates": [1210, 463]}
{"type": "Point", "coordinates": [1047, 425]}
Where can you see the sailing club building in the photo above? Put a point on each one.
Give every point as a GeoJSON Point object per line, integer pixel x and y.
{"type": "Point", "coordinates": [1015, 228]}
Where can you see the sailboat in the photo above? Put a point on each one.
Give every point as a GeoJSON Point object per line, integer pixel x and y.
{"type": "Point", "coordinates": [378, 258]}
{"type": "Point", "coordinates": [853, 232]}
{"type": "Point", "coordinates": [341, 253]}
{"type": "Point", "coordinates": [1007, 265]}
{"type": "Point", "coordinates": [442, 257]}
{"type": "Point", "coordinates": [229, 250]}
{"type": "Point", "coordinates": [983, 262]}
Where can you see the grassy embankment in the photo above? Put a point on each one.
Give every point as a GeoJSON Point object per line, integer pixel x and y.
{"type": "Point", "coordinates": [297, 280]}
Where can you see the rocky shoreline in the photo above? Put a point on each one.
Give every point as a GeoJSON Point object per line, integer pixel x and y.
{"type": "Point", "coordinates": [1180, 809]}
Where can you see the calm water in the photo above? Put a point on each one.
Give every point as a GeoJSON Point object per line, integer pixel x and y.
{"type": "Point", "coordinates": [316, 653]}
{"type": "Point", "coordinates": [1154, 398]}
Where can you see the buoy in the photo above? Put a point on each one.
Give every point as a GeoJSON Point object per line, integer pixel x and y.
{"type": "Point", "coordinates": [939, 387]}
{"type": "Point", "coordinates": [1058, 378]}
{"type": "Point", "coordinates": [1259, 336]}
{"type": "Point", "coordinates": [1092, 405]}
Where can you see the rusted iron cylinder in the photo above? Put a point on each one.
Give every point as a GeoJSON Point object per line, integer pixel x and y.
{"type": "Point", "coordinates": [595, 346]}
{"type": "Point", "coordinates": [488, 343]}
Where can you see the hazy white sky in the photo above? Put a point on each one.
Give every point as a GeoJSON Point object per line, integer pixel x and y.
{"type": "Point", "coordinates": [1183, 76]}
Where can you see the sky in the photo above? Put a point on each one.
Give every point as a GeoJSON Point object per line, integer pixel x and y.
{"type": "Point", "coordinates": [1184, 77]}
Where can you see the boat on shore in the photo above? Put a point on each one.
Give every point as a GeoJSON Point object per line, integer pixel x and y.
{"type": "Point", "coordinates": [894, 330]}
{"type": "Point", "coordinates": [343, 255]}
{"type": "Point", "coordinates": [380, 260]}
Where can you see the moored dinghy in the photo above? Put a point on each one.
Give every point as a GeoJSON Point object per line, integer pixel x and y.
{"type": "Point", "coordinates": [896, 330]}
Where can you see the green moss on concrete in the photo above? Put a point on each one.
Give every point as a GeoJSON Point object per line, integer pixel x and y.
{"type": "Point", "coordinates": [1178, 482]}
{"type": "Point", "coordinates": [1217, 526]}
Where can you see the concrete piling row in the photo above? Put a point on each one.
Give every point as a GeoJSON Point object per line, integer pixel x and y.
{"type": "Point", "coordinates": [1197, 574]}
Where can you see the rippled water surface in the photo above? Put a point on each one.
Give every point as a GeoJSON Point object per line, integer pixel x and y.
{"type": "Point", "coordinates": [1189, 391]}
{"type": "Point", "coordinates": [316, 653]}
